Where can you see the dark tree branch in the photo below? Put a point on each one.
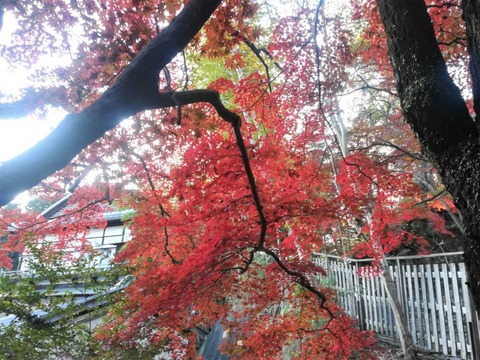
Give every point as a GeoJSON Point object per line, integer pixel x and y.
{"type": "Point", "coordinates": [185, 71]}
{"type": "Point", "coordinates": [300, 279]}
{"type": "Point", "coordinates": [45, 221]}
{"type": "Point", "coordinates": [457, 40]}
{"type": "Point", "coordinates": [440, 193]}
{"type": "Point", "coordinates": [163, 212]}
{"type": "Point", "coordinates": [275, 62]}
{"type": "Point", "coordinates": [371, 87]}
{"type": "Point", "coordinates": [416, 156]}
{"type": "Point", "coordinates": [135, 90]}
{"type": "Point", "coordinates": [257, 53]}
{"type": "Point", "coordinates": [251, 182]}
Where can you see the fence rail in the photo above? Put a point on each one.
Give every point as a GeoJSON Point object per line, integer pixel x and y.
{"type": "Point", "coordinates": [433, 293]}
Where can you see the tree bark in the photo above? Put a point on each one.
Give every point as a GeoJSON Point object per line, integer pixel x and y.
{"type": "Point", "coordinates": [433, 106]}
{"type": "Point", "coordinates": [136, 90]}
{"type": "Point", "coordinates": [471, 15]}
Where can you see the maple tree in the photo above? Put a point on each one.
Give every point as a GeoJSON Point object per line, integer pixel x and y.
{"type": "Point", "coordinates": [233, 193]}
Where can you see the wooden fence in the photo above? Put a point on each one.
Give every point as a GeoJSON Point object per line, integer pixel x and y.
{"type": "Point", "coordinates": [433, 293]}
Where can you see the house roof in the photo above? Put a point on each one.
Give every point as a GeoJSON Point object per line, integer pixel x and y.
{"type": "Point", "coordinates": [58, 209]}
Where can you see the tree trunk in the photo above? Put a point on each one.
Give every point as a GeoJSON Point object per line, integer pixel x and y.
{"type": "Point", "coordinates": [433, 106]}
{"type": "Point", "coordinates": [471, 15]}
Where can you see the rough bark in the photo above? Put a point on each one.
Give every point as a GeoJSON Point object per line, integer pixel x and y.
{"type": "Point", "coordinates": [434, 107]}
{"type": "Point", "coordinates": [471, 15]}
{"type": "Point", "coordinates": [136, 90]}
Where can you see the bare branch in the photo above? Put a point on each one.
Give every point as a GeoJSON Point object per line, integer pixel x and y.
{"type": "Point", "coordinates": [368, 86]}
{"type": "Point", "coordinates": [457, 40]}
{"type": "Point", "coordinates": [257, 53]}
{"type": "Point", "coordinates": [416, 156]}
{"type": "Point", "coordinates": [301, 279]}
{"type": "Point", "coordinates": [441, 193]}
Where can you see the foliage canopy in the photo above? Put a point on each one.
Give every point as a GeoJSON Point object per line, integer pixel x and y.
{"type": "Point", "coordinates": [257, 133]}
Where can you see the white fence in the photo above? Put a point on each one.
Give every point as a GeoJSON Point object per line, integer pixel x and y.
{"type": "Point", "coordinates": [433, 293]}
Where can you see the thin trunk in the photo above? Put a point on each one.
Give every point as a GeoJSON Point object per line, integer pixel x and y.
{"type": "Point", "coordinates": [404, 335]}
{"type": "Point", "coordinates": [401, 323]}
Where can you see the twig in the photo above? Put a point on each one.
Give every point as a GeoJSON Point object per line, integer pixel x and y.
{"type": "Point", "coordinates": [437, 195]}
{"type": "Point", "coordinates": [301, 279]}
{"type": "Point", "coordinates": [185, 71]}
{"type": "Point", "coordinates": [163, 212]}
{"type": "Point", "coordinates": [256, 51]}
{"type": "Point", "coordinates": [368, 86]}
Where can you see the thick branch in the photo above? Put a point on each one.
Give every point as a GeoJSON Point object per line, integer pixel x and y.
{"type": "Point", "coordinates": [252, 184]}
{"type": "Point", "coordinates": [135, 90]}
{"type": "Point", "coordinates": [172, 99]}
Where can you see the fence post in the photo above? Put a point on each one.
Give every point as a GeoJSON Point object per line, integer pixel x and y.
{"type": "Point", "coordinates": [359, 299]}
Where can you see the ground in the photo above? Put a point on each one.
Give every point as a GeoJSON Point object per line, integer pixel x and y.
{"type": "Point", "coordinates": [389, 351]}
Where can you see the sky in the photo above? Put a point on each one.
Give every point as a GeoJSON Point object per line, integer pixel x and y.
{"type": "Point", "coordinates": [17, 135]}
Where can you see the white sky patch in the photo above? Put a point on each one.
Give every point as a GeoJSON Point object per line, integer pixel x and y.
{"type": "Point", "coordinates": [9, 26]}
{"type": "Point", "coordinates": [18, 135]}
{"type": "Point", "coordinates": [11, 81]}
